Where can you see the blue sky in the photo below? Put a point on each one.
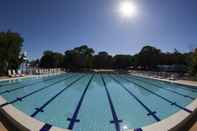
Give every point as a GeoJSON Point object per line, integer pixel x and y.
{"type": "Point", "coordinates": [64, 24]}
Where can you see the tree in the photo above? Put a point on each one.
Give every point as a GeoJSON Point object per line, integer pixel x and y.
{"type": "Point", "coordinates": [79, 58]}
{"type": "Point", "coordinates": [148, 57]}
{"type": "Point", "coordinates": [84, 50]}
{"type": "Point", "coordinates": [193, 68]}
{"type": "Point", "coordinates": [51, 60]}
{"type": "Point", "coordinates": [10, 49]}
{"type": "Point", "coordinates": [122, 61]}
{"type": "Point", "coordinates": [59, 60]}
{"type": "Point", "coordinates": [135, 61]}
{"type": "Point", "coordinates": [103, 60]}
{"type": "Point", "coordinates": [34, 63]}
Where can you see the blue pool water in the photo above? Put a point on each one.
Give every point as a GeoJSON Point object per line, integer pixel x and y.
{"type": "Point", "coordinates": [96, 102]}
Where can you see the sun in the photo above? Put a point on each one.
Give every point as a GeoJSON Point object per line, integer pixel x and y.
{"type": "Point", "coordinates": [127, 9]}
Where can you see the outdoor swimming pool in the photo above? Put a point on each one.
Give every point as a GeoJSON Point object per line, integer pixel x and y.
{"type": "Point", "coordinates": [96, 102]}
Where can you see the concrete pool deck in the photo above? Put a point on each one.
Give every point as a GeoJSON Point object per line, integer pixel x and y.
{"type": "Point", "coordinates": [25, 122]}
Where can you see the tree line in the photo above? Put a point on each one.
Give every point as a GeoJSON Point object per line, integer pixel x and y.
{"type": "Point", "coordinates": [149, 58]}
{"type": "Point", "coordinates": [85, 58]}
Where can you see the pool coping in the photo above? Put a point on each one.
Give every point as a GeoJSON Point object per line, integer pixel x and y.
{"type": "Point", "coordinates": [25, 123]}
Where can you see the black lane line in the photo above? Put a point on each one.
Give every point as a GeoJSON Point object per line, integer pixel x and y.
{"type": "Point", "coordinates": [36, 91]}
{"type": "Point", "coordinates": [150, 112]}
{"type": "Point", "coordinates": [74, 119]}
{"type": "Point", "coordinates": [27, 85]}
{"type": "Point", "coordinates": [115, 120]}
{"type": "Point", "coordinates": [156, 94]}
{"type": "Point", "coordinates": [41, 109]}
{"type": "Point", "coordinates": [161, 87]}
